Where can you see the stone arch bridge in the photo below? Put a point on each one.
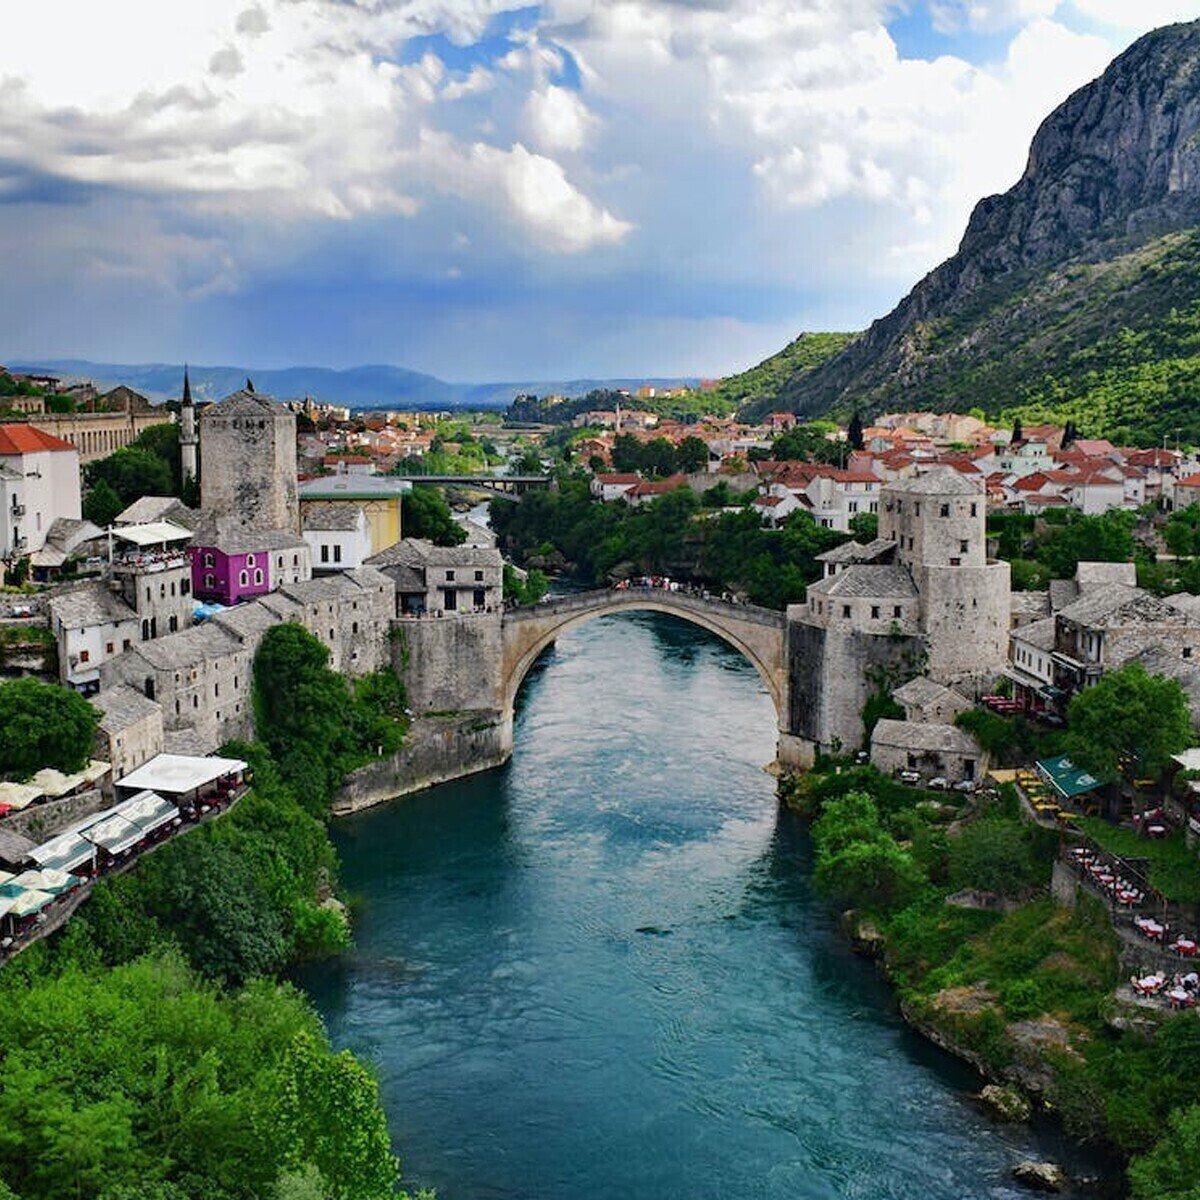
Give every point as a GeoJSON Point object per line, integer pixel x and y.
{"type": "Point", "coordinates": [760, 634]}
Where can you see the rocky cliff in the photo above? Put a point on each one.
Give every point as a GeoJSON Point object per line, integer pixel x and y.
{"type": "Point", "coordinates": [1111, 172]}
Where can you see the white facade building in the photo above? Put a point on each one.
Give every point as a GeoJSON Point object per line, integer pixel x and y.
{"type": "Point", "coordinates": [39, 482]}
{"type": "Point", "coordinates": [339, 538]}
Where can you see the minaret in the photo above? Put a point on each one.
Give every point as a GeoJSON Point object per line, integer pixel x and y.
{"type": "Point", "coordinates": [188, 439]}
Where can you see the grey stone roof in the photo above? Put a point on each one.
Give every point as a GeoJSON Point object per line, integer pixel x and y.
{"type": "Point", "coordinates": [157, 508]}
{"type": "Point", "coordinates": [65, 533]}
{"type": "Point", "coordinates": [1116, 604]}
{"type": "Point", "coordinates": [1030, 604]}
{"type": "Point", "coordinates": [1094, 574]}
{"type": "Point", "coordinates": [1038, 634]}
{"type": "Point", "coordinates": [187, 648]}
{"type": "Point", "coordinates": [91, 605]}
{"type": "Point", "coordinates": [331, 518]}
{"type": "Point", "coordinates": [923, 691]}
{"type": "Point", "coordinates": [1186, 602]}
{"type": "Point", "coordinates": [886, 582]}
{"type": "Point", "coordinates": [856, 552]}
{"type": "Point", "coordinates": [1062, 592]}
{"type": "Point", "coordinates": [417, 552]}
{"type": "Point", "coordinates": [942, 481]}
{"type": "Point", "coordinates": [921, 736]}
{"type": "Point", "coordinates": [245, 620]}
{"type": "Point", "coordinates": [406, 578]}
{"type": "Point", "coordinates": [243, 401]}
{"type": "Point", "coordinates": [208, 531]}
{"type": "Point", "coordinates": [122, 706]}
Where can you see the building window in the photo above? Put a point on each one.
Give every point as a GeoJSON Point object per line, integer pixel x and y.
{"type": "Point", "coordinates": [172, 587]}
{"type": "Point", "coordinates": [331, 635]}
{"type": "Point", "coordinates": [452, 601]}
{"type": "Point", "coordinates": [963, 547]}
{"type": "Point", "coordinates": [449, 576]}
{"type": "Point", "coordinates": [208, 560]}
{"type": "Point", "coordinates": [249, 560]}
{"type": "Point", "coordinates": [295, 560]}
{"type": "Point", "coordinates": [258, 578]}
{"type": "Point", "coordinates": [974, 509]}
{"type": "Point", "coordinates": [1187, 652]}
{"type": "Point", "coordinates": [195, 701]}
{"type": "Point", "coordinates": [324, 552]}
{"type": "Point", "coordinates": [845, 610]}
{"type": "Point", "coordinates": [109, 648]}
{"type": "Point", "coordinates": [84, 655]}
{"type": "Point", "coordinates": [955, 562]}
{"type": "Point", "coordinates": [945, 510]}
{"type": "Point", "coordinates": [173, 624]}
{"type": "Point", "coordinates": [478, 576]}
{"type": "Point", "coordinates": [209, 580]}
{"type": "Point", "coordinates": [185, 586]}
{"type": "Point", "coordinates": [897, 611]}
{"type": "Point", "coordinates": [354, 627]}
{"type": "Point", "coordinates": [126, 643]}
{"type": "Point", "coordinates": [478, 598]}
{"type": "Point", "coordinates": [917, 508]}
{"type": "Point", "coordinates": [337, 553]}
{"type": "Point", "coordinates": [874, 612]}
{"type": "Point", "coordinates": [244, 578]}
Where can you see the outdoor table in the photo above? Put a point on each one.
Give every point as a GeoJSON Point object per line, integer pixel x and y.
{"type": "Point", "coordinates": [1186, 947]}
{"type": "Point", "coordinates": [1179, 998]}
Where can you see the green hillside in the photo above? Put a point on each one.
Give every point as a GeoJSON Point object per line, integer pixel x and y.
{"type": "Point", "coordinates": [761, 386]}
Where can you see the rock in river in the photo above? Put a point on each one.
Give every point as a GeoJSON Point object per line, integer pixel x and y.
{"type": "Point", "coordinates": [1041, 1176]}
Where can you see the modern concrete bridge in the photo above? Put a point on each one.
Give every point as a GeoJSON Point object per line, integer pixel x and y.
{"type": "Point", "coordinates": [508, 486]}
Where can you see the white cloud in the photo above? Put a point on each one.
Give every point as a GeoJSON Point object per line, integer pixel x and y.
{"type": "Point", "coordinates": [949, 16]}
{"type": "Point", "coordinates": [558, 119]}
{"type": "Point", "coordinates": [1141, 16]}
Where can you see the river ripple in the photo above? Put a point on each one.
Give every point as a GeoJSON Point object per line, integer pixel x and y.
{"type": "Point", "coordinates": [599, 972]}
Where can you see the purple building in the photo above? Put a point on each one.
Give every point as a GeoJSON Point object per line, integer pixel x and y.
{"type": "Point", "coordinates": [244, 565]}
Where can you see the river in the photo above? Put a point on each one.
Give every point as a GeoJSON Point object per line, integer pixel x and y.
{"type": "Point", "coordinates": [599, 973]}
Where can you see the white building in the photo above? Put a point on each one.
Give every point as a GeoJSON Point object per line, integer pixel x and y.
{"type": "Point", "coordinates": [338, 537]}
{"type": "Point", "coordinates": [91, 626]}
{"type": "Point", "coordinates": [39, 482]}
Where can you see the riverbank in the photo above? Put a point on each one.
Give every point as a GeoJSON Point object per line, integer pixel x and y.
{"type": "Point", "coordinates": [953, 901]}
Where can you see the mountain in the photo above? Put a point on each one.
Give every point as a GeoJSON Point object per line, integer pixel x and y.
{"type": "Point", "coordinates": [1078, 290]}
{"type": "Point", "coordinates": [357, 387]}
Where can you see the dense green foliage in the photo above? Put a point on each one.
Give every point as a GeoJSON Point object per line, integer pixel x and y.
{"type": "Point", "coordinates": [144, 1082]}
{"type": "Point", "coordinates": [758, 388]}
{"type": "Point", "coordinates": [317, 726]}
{"type": "Point", "coordinates": [132, 472]}
{"type": "Point", "coordinates": [102, 504]}
{"type": "Point", "coordinates": [674, 535]}
{"type": "Point", "coordinates": [43, 725]}
{"type": "Point", "coordinates": [659, 456]}
{"type": "Point", "coordinates": [1171, 863]}
{"type": "Point", "coordinates": [424, 513]}
{"type": "Point", "coordinates": [1129, 724]}
{"type": "Point", "coordinates": [524, 591]}
{"type": "Point", "coordinates": [1064, 539]}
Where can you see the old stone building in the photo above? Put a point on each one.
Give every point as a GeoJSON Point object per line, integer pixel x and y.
{"type": "Point", "coordinates": [202, 677]}
{"type": "Point", "coordinates": [442, 580]}
{"type": "Point", "coordinates": [923, 598]}
{"type": "Point", "coordinates": [248, 463]}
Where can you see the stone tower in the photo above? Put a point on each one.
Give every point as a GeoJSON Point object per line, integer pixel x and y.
{"type": "Point", "coordinates": [248, 464]}
{"type": "Point", "coordinates": [937, 522]}
{"type": "Point", "coordinates": [188, 438]}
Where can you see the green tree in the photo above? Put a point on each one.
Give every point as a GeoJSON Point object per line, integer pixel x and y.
{"type": "Point", "coordinates": [864, 527]}
{"type": "Point", "coordinates": [425, 514]}
{"type": "Point", "coordinates": [1001, 855]}
{"type": "Point", "coordinates": [1104, 538]}
{"type": "Point", "coordinates": [1129, 724]}
{"type": "Point", "coordinates": [44, 725]}
{"type": "Point", "coordinates": [1171, 1170]}
{"type": "Point", "coordinates": [163, 442]}
{"type": "Point", "coordinates": [102, 504]}
{"type": "Point", "coordinates": [691, 455]}
{"type": "Point", "coordinates": [132, 472]}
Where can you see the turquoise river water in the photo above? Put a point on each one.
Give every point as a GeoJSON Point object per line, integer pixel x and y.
{"type": "Point", "coordinates": [600, 971]}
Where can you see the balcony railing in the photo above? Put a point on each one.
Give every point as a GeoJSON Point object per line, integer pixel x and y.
{"type": "Point", "coordinates": [148, 562]}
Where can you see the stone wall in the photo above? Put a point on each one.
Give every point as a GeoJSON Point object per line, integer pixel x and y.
{"type": "Point", "coordinates": [42, 821]}
{"type": "Point", "coordinates": [449, 664]}
{"type": "Point", "coordinates": [436, 750]}
{"type": "Point", "coordinates": [965, 616]}
{"type": "Point", "coordinates": [830, 679]}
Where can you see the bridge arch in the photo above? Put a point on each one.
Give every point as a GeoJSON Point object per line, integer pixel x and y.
{"type": "Point", "coordinates": [759, 635]}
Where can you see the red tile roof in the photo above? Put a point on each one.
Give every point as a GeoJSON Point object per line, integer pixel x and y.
{"type": "Point", "coordinates": [18, 438]}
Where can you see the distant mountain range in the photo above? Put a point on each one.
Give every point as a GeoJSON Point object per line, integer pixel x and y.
{"type": "Point", "coordinates": [1075, 294]}
{"type": "Point", "coordinates": [357, 387]}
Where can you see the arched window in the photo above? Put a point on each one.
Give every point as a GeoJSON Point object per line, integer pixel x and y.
{"type": "Point", "coordinates": [258, 575]}
{"type": "Point", "coordinates": [208, 560]}
{"type": "Point", "coordinates": [244, 578]}
{"type": "Point", "coordinates": [249, 560]}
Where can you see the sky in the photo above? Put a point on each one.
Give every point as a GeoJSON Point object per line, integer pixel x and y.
{"type": "Point", "coordinates": [489, 190]}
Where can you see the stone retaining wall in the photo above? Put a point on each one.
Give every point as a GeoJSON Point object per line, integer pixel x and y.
{"type": "Point", "coordinates": [436, 750]}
